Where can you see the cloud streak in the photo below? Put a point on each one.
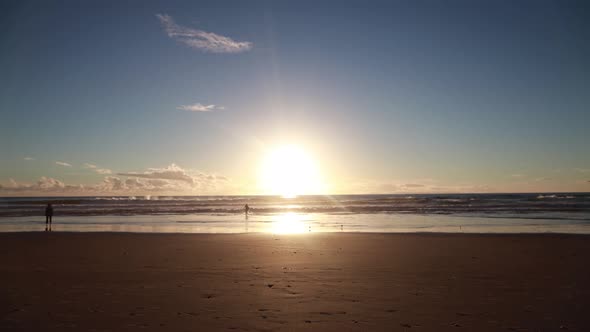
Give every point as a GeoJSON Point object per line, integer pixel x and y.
{"type": "Point", "coordinates": [61, 163]}
{"type": "Point", "coordinates": [202, 40]}
{"type": "Point", "coordinates": [541, 179]}
{"type": "Point", "coordinates": [172, 172]}
{"type": "Point", "coordinates": [414, 185]}
{"type": "Point", "coordinates": [198, 107]}
{"type": "Point", "coordinates": [103, 171]}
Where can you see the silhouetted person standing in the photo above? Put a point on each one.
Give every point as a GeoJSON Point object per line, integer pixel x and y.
{"type": "Point", "coordinates": [48, 215]}
{"type": "Point", "coordinates": [246, 210]}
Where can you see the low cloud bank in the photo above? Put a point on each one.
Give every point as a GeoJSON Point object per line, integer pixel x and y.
{"type": "Point", "coordinates": [169, 180]}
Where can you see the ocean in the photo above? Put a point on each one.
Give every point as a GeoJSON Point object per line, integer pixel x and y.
{"type": "Point", "coordinates": [468, 213]}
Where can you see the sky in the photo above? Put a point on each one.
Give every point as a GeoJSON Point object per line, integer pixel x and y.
{"type": "Point", "coordinates": [188, 97]}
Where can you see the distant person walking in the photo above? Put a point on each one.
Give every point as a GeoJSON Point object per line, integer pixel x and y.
{"type": "Point", "coordinates": [48, 215]}
{"type": "Point", "coordinates": [246, 210]}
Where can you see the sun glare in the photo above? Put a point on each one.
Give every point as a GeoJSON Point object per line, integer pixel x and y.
{"type": "Point", "coordinates": [288, 223]}
{"type": "Point", "coordinates": [289, 171]}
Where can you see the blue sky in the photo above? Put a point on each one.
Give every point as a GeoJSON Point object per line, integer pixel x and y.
{"type": "Point", "coordinates": [392, 96]}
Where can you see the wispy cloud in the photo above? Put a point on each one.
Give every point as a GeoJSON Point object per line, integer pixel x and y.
{"type": "Point", "coordinates": [176, 176]}
{"type": "Point", "coordinates": [200, 107]}
{"type": "Point", "coordinates": [517, 175]}
{"type": "Point", "coordinates": [29, 158]}
{"type": "Point", "coordinates": [202, 40]}
{"type": "Point", "coordinates": [61, 163]}
{"type": "Point", "coordinates": [103, 171]}
{"type": "Point", "coordinates": [413, 185]}
{"type": "Point", "coordinates": [543, 179]}
{"type": "Point", "coordinates": [427, 186]}
{"type": "Point", "coordinates": [583, 170]}
{"type": "Point", "coordinates": [172, 172]}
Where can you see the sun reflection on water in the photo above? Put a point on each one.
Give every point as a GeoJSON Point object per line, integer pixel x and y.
{"type": "Point", "coordinates": [288, 223]}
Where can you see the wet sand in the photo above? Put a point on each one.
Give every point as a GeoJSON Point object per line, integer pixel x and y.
{"type": "Point", "coordinates": [316, 282]}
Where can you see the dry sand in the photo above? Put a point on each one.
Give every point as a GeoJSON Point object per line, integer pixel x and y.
{"type": "Point", "coordinates": [318, 282]}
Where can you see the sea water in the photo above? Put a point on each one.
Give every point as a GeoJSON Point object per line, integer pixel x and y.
{"type": "Point", "coordinates": [468, 213]}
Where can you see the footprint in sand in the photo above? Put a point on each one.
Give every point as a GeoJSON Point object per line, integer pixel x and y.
{"type": "Point", "coordinates": [328, 313]}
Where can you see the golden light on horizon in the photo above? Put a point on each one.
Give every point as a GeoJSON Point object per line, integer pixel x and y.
{"type": "Point", "coordinates": [289, 171]}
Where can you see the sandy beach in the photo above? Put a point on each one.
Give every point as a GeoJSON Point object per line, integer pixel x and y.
{"type": "Point", "coordinates": [316, 282]}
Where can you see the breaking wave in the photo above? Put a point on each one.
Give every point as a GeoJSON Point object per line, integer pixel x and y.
{"type": "Point", "coordinates": [487, 205]}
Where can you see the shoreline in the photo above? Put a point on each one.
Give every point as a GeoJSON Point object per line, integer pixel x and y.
{"type": "Point", "coordinates": [262, 233]}
{"type": "Point", "coordinates": [301, 223]}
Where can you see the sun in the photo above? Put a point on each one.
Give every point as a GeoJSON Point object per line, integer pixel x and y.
{"type": "Point", "coordinates": [289, 171]}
